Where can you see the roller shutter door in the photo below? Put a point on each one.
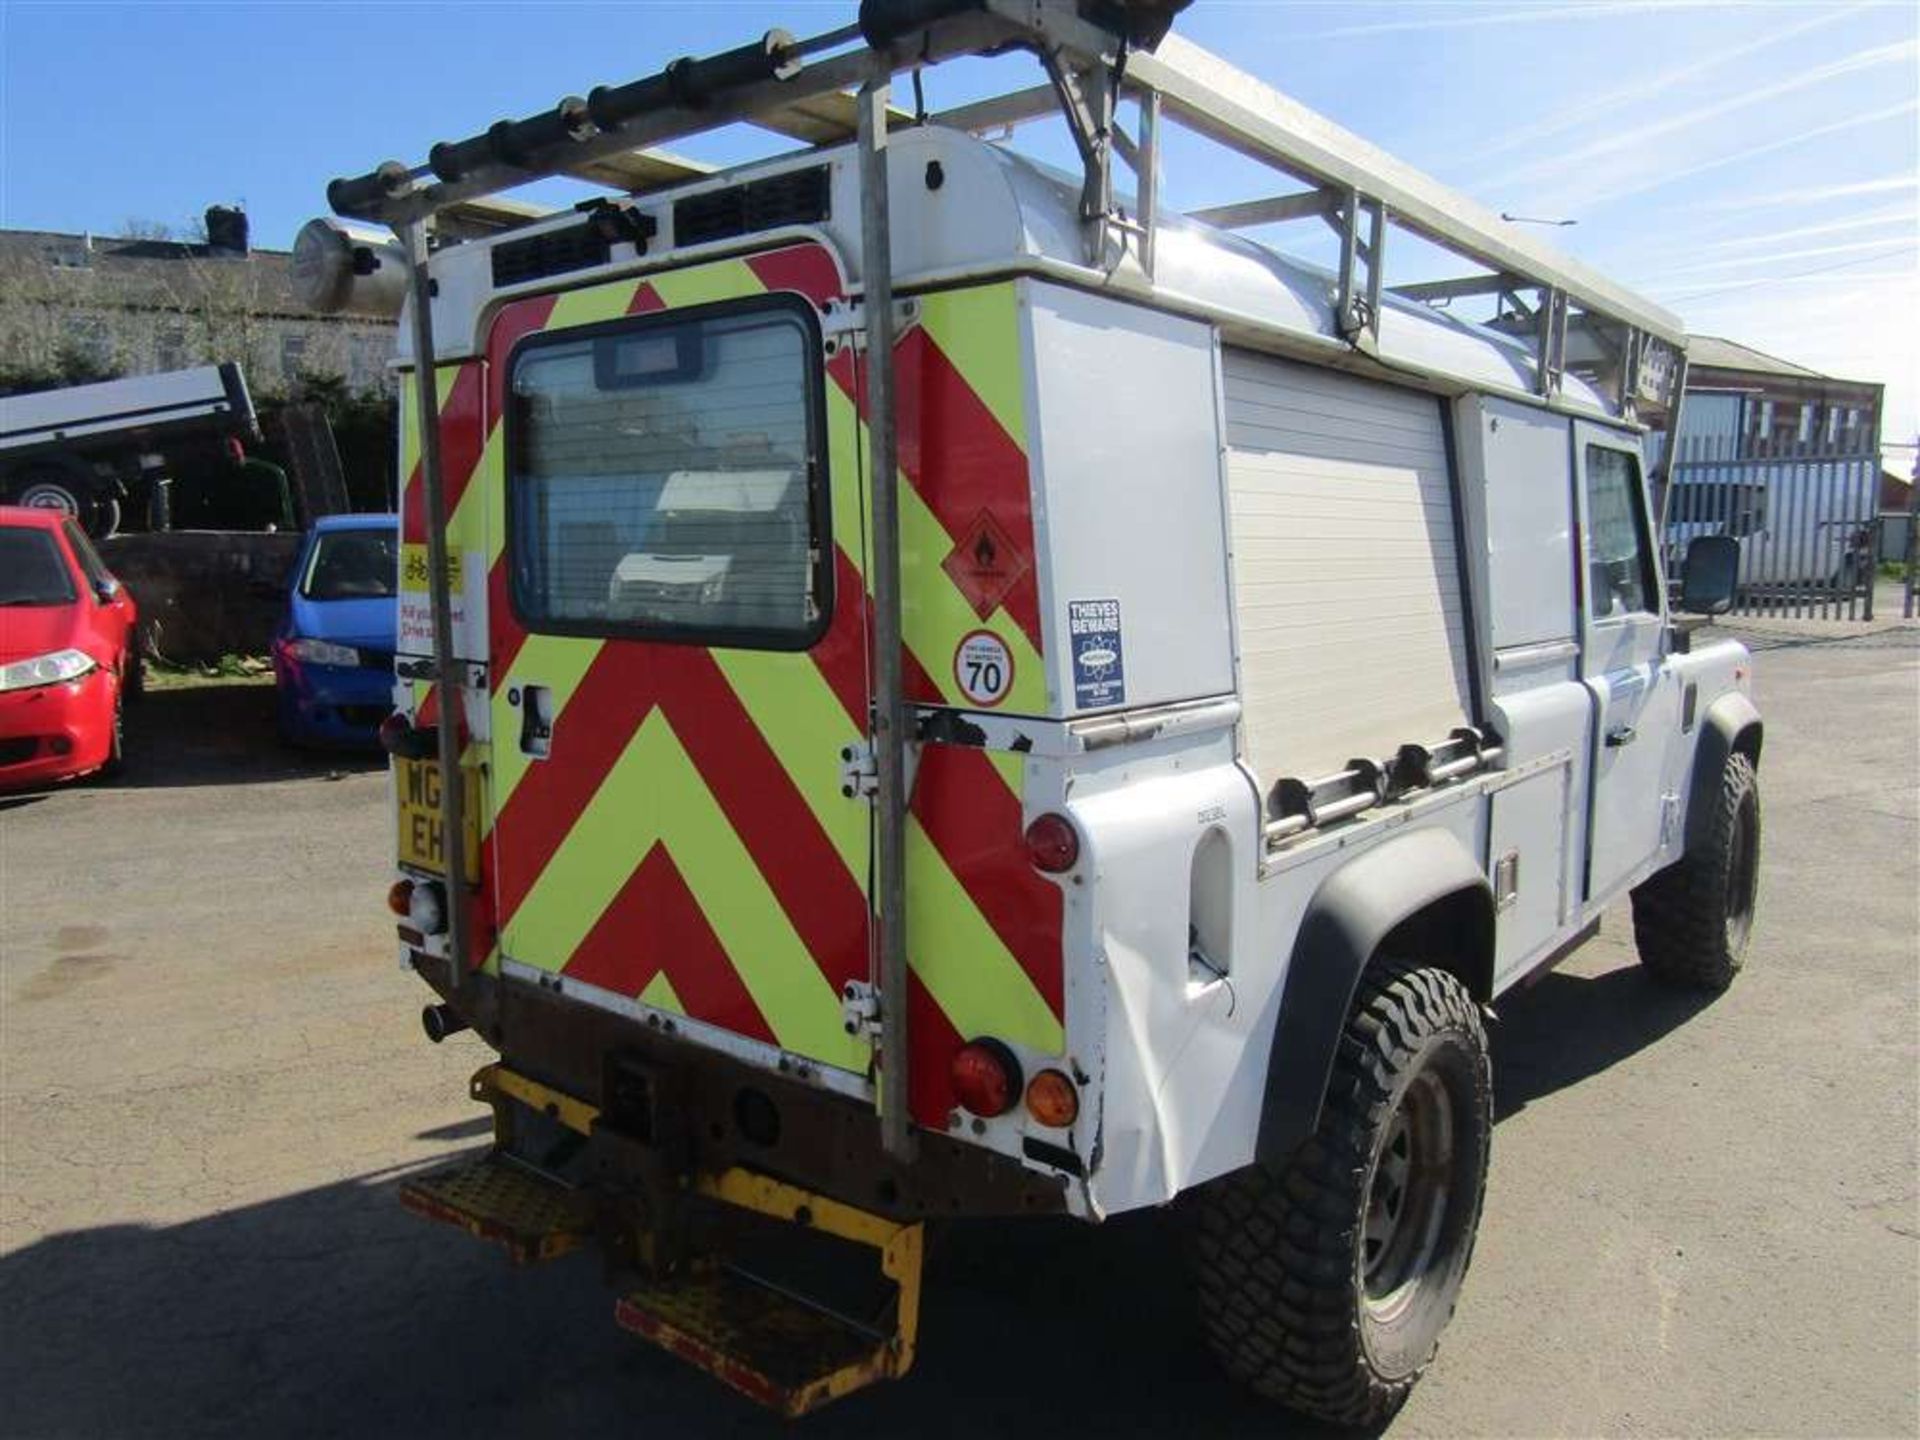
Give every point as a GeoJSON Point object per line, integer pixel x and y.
{"type": "Point", "coordinates": [1345, 565]}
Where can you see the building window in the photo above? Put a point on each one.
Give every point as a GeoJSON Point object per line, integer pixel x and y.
{"type": "Point", "coordinates": [293, 357]}
{"type": "Point", "coordinates": [170, 350]}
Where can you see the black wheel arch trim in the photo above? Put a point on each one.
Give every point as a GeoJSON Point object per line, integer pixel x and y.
{"type": "Point", "coordinates": [1732, 725]}
{"type": "Point", "coordinates": [1425, 885]}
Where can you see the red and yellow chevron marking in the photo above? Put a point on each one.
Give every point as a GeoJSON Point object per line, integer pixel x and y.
{"type": "Point", "coordinates": [687, 842]}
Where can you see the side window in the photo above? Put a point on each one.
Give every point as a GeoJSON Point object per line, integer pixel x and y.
{"type": "Point", "coordinates": [666, 480]}
{"type": "Point", "coordinates": [90, 562]}
{"type": "Point", "coordinates": [1619, 559]}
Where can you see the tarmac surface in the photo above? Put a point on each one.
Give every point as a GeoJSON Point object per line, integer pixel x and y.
{"type": "Point", "coordinates": [1703, 1217]}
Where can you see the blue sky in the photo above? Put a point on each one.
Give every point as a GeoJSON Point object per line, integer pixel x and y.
{"type": "Point", "coordinates": [1751, 165]}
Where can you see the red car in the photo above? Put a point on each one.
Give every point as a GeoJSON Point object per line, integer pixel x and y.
{"type": "Point", "coordinates": [68, 656]}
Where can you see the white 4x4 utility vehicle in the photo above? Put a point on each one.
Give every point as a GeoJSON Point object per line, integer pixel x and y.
{"type": "Point", "coordinates": [975, 694]}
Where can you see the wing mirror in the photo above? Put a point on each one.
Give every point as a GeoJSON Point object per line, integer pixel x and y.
{"type": "Point", "coordinates": [107, 590]}
{"type": "Point", "coordinates": [1711, 574]}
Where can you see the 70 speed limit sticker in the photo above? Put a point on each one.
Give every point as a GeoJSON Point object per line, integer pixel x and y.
{"type": "Point", "coordinates": [983, 668]}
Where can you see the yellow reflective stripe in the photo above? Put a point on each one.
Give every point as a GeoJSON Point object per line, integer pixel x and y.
{"type": "Point", "coordinates": [559, 662]}
{"type": "Point", "coordinates": [971, 975]}
{"type": "Point", "coordinates": [845, 438]}
{"type": "Point", "coordinates": [410, 412]}
{"type": "Point", "coordinates": [1012, 767]}
{"type": "Point", "coordinates": [591, 306]}
{"type": "Point", "coordinates": [979, 332]}
{"type": "Point", "coordinates": [935, 616]}
{"type": "Point", "coordinates": [805, 726]}
{"type": "Point", "coordinates": [704, 284]}
{"type": "Point", "coordinates": [654, 794]}
{"type": "Point", "coordinates": [659, 993]}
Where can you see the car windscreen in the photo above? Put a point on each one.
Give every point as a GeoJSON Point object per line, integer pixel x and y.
{"type": "Point", "coordinates": [32, 569]}
{"type": "Point", "coordinates": [353, 565]}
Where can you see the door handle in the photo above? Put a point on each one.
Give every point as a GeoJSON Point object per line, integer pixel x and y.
{"type": "Point", "coordinates": [536, 720]}
{"type": "Point", "coordinates": [1620, 735]}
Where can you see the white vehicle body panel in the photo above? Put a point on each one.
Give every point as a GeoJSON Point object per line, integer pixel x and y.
{"type": "Point", "coordinates": [1103, 515]}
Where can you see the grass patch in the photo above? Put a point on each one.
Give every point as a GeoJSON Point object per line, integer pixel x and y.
{"type": "Point", "coordinates": [227, 670]}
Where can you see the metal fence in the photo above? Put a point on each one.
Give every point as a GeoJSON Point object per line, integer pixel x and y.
{"type": "Point", "coordinates": [1803, 511]}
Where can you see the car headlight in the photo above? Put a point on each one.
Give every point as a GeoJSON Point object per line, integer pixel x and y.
{"type": "Point", "coordinates": [54, 669]}
{"type": "Point", "coordinates": [322, 652]}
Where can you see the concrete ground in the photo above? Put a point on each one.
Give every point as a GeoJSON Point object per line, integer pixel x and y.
{"type": "Point", "coordinates": [1701, 1217]}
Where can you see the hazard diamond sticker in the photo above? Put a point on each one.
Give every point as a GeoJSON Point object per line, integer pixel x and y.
{"type": "Point", "coordinates": [985, 564]}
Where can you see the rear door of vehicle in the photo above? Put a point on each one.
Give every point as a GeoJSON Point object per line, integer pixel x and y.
{"type": "Point", "coordinates": [679, 657]}
{"type": "Point", "coordinates": [1623, 652]}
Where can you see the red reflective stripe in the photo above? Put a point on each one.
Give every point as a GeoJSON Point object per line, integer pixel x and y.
{"type": "Point", "coordinates": [645, 300]}
{"type": "Point", "coordinates": [504, 630]}
{"type": "Point", "coordinates": [826, 904]}
{"type": "Point", "coordinates": [808, 269]}
{"type": "Point", "coordinates": [517, 321]}
{"type": "Point", "coordinates": [974, 821]}
{"type": "Point", "coordinates": [932, 1042]}
{"type": "Point", "coordinates": [654, 924]}
{"type": "Point", "coordinates": [589, 734]}
{"type": "Point", "coordinates": [461, 441]}
{"type": "Point", "coordinates": [961, 461]}
{"type": "Point", "coordinates": [841, 654]}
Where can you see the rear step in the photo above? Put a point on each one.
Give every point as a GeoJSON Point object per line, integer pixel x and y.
{"type": "Point", "coordinates": [767, 1341]}
{"type": "Point", "coordinates": [496, 1198]}
{"type": "Point", "coordinates": [772, 1345]}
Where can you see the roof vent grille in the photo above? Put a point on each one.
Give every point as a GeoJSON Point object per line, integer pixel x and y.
{"type": "Point", "coordinates": [798, 197]}
{"type": "Point", "coordinates": [551, 252]}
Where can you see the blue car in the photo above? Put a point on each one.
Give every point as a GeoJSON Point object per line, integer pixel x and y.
{"type": "Point", "coordinates": [333, 651]}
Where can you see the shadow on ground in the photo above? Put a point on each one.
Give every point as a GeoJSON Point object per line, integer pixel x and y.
{"type": "Point", "coordinates": [218, 734]}
{"type": "Point", "coordinates": [332, 1311]}
{"type": "Point", "coordinates": [1569, 1027]}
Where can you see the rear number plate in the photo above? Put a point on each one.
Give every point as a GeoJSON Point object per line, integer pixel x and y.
{"type": "Point", "coordinates": [416, 783]}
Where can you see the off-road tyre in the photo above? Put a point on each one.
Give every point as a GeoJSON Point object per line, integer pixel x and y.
{"type": "Point", "coordinates": [1287, 1263]}
{"type": "Point", "coordinates": [1692, 922]}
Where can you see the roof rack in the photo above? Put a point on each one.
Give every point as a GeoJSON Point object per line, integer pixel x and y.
{"type": "Point", "coordinates": [1096, 56]}
{"type": "Point", "coordinates": [836, 87]}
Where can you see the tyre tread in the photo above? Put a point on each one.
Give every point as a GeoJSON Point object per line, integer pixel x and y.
{"type": "Point", "coordinates": [1283, 1317]}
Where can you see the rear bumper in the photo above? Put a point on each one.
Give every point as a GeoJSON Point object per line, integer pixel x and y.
{"type": "Point", "coordinates": [56, 732]}
{"type": "Point", "coordinates": [659, 1095]}
{"type": "Point", "coordinates": [325, 705]}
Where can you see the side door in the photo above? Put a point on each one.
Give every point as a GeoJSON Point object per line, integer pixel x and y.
{"type": "Point", "coordinates": [1636, 696]}
{"type": "Point", "coordinates": [679, 655]}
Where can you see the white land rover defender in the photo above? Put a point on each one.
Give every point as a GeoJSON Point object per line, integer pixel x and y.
{"type": "Point", "coordinates": [979, 694]}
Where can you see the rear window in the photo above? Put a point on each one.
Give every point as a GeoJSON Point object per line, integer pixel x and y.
{"type": "Point", "coordinates": [666, 481]}
{"type": "Point", "coordinates": [353, 565]}
{"type": "Point", "coordinates": [32, 569]}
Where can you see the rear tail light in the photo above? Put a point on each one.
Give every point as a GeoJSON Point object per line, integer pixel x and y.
{"type": "Point", "coordinates": [400, 736]}
{"type": "Point", "coordinates": [1053, 845]}
{"type": "Point", "coordinates": [986, 1078]}
{"type": "Point", "coordinates": [1052, 1100]}
{"type": "Point", "coordinates": [400, 897]}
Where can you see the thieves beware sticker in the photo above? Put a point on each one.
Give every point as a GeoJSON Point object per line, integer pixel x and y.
{"type": "Point", "coordinates": [983, 668]}
{"type": "Point", "coordinates": [1099, 664]}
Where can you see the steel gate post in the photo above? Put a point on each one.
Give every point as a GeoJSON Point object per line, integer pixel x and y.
{"type": "Point", "coordinates": [889, 708]}
{"type": "Point", "coordinates": [446, 668]}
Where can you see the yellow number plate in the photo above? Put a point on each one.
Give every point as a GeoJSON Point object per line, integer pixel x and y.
{"type": "Point", "coordinates": [417, 785]}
